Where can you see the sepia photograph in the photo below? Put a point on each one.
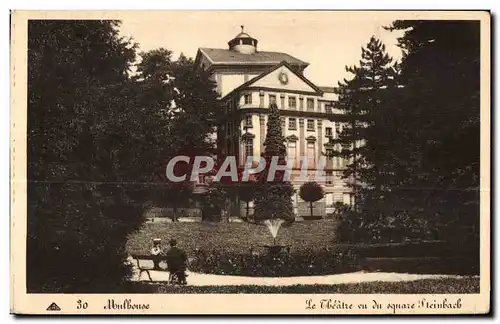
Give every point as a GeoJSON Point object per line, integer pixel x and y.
{"type": "Point", "coordinates": [317, 155]}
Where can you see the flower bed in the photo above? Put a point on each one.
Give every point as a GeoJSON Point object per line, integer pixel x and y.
{"type": "Point", "coordinates": [284, 264]}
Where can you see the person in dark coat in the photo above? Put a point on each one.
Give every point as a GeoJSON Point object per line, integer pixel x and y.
{"type": "Point", "coordinates": [176, 261]}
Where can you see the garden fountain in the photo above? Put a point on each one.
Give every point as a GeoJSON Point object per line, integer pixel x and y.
{"type": "Point", "coordinates": [274, 225]}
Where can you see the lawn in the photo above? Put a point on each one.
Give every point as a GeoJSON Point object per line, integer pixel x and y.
{"type": "Point", "coordinates": [466, 285]}
{"type": "Point", "coordinates": [234, 237]}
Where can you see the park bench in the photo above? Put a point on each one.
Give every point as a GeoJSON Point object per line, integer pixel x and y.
{"type": "Point", "coordinates": [148, 257]}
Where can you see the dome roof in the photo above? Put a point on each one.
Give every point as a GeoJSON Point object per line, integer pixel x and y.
{"type": "Point", "coordinates": [243, 35]}
{"type": "Point", "coordinates": [243, 43]}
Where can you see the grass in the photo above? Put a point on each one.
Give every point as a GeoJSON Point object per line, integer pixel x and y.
{"type": "Point", "coordinates": [234, 237]}
{"type": "Point", "coordinates": [466, 285]}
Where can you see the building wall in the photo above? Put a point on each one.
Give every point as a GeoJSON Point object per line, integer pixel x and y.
{"type": "Point", "coordinates": [336, 189]}
{"type": "Point", "coordinates": [229, 81]}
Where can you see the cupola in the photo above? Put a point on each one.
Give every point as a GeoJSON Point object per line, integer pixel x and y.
{"type": "Point", "coordinates": [243, 43]}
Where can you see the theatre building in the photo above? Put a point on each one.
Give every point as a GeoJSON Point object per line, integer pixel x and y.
{"type": "Point", "coordinates": [249, 81]}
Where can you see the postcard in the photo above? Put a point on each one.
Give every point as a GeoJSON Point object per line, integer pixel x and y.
{"type": "Point", "coordinates": [250, 162]}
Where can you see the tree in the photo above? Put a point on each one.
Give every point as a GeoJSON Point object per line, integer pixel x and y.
{"type": "Point", "coordinates": [273, 198]}
{"type": "Point", "coordinates": [364, 139]}
{"type": "Point", "coordinates": [311, 192]}
{"type": "Point", "coordinates": [86, 155]}
{"type": "Point", "coordinates": [189, 102]}
{"type": "Point", "coordinates": [438, 121]}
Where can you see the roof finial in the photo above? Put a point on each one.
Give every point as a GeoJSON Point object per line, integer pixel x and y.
{"type": "Point", "coordinates": [242, 27]}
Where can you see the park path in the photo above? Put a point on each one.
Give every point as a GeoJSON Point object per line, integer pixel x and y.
{"type": "Point", "coordinates": [201, 279]}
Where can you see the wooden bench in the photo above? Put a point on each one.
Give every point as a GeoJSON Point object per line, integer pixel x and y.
{"type": "Point", "coordinates": [148, 257]}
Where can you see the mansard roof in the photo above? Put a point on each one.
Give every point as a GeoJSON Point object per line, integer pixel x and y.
{"type": "Point", "coordinates": [219, 56]}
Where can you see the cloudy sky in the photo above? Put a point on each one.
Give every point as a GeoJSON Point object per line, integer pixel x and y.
{"type": "Point", "coordinates": [327, 40]}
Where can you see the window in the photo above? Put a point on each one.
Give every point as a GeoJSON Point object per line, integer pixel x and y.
{"type": "Point", "coordinates": [292, 102]}
{"type": "Point", "coordinates": [311, 154]}
{"type": "Point", "coordinates": [337, 129]}
{"type": "Point", "coordinates": [329, 153]}
{"type": "Point", "coordinates": [248, 98]}
{"type": "Point", "coordinates": [292, 123]}
{"type": "Point", "coordinates": [328, 132]}
{"type": "Point", "coordinates": [249, 147]}
{"type": "Point", "coordinates": [329, 177]}
{"type": "Point", "coordinates": [272, 99]}
{"type": "Point", "coordinates": [328, 109]}
{"type": "Point", "coordinates": [310, 104]}
{"type": "Point", "coordinates": [248, 121]}
{"type": "Point", "coordinates": [348, 198]}
{"type": "Point", "coordinates": [310, 124]}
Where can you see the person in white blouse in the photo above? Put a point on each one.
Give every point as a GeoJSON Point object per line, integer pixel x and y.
{"type": "Point", "coordinates": [157, 250]}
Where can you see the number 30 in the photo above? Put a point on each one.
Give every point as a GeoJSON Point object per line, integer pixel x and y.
{"type": "Point", "coordinates": [81, 305]}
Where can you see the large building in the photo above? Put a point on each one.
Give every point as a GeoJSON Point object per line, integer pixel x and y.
{"type": "Point", "coordinates": [248, 81]}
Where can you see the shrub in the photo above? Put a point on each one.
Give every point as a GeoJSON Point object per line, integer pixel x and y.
{"type": "Point", "coordinates": [366, 227]}
{"type": "Point", "coordinates": [284, 264]}
{"type": "Point", "coordinates": [311, 192]}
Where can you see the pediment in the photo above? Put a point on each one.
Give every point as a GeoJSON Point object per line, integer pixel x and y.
{"type": "Point", "coordinates": [284, 78]}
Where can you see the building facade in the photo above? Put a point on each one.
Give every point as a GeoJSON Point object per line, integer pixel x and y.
{"type": "Point", "coordinates": [249, 81]}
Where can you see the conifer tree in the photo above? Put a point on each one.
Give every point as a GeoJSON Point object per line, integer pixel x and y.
{"type": "Point", "coordinates": [438, 121]}
{"type": "Point", "coordinates": [275, 142]}
{"type": "Point", "coordinates": [273, 198]}
{"type": "Point", "coordinates": [363, 140]}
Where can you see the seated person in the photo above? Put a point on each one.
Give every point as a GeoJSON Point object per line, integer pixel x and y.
{"type": "Point", "coordinates": [156, 250]}
{"type": "Point", "coordinates": [176, 261]}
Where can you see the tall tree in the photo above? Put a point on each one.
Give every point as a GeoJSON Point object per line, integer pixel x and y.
{"type": "Point", "coordinates": [273, 198]}
{"type": "Point", "coordinates": [438, 119]}
{"type": "Point", "coordinates": [363, 140]}
{"type": "Point", "coordinates": [189, 102]}
{"type": "Point", "coordinates": [85, 149]}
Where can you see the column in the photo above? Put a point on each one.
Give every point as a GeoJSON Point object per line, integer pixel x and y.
{"type": "Point", "coordinates": [261, 97]}
{"type": "Point", "coordinates": [282, 101]}
{"type": "Point", "coordinates": [301, 103]}
{"type": "Point", "coordinates": [262, 125]}
{"type": "Point", "coordinates": [320, 139]}
{"type": "Point", "coordinates": [242, 154]}
{"type": "Point", "coordinates": [302, 139]}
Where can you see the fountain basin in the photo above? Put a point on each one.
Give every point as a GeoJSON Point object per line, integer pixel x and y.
{"type": "Point", "coordinates": [276, 249]}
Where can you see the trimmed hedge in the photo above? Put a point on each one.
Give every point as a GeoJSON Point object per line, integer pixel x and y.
{"type": "Point", "coordinates": [426, 265]}
{"type": "Point", "coordinates": [284, 264]}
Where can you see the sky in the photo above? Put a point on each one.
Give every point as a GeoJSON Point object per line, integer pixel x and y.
{"type": "Point", "coordinates": [327, 40]}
